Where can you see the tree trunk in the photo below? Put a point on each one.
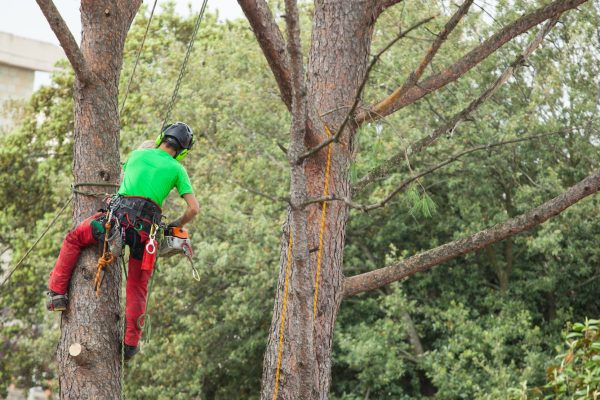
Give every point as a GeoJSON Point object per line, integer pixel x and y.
{"type": "Point", "coordinates": [94, 322]}
{"type": "Point", "coordinates": [298, 356]}
{"type": "Point", "coordinates": [332, 81]}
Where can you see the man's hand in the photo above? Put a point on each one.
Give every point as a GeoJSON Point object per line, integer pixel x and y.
{"type": "Point", "coordinates": [193, 208]}
{"type": "Point", "coordinates": [174, 224]}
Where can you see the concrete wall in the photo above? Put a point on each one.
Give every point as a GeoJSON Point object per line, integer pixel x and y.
{"type": "Point", "coordinates": [19, 59]}
{"type": "Point", "coordinates": [28, 53]}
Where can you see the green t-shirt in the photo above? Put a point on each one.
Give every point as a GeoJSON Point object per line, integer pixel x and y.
{"type": "Point", "coordinates": [152, 173]}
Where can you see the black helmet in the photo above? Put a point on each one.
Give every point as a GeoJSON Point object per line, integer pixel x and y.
{"type": "Point", "coordinates": [181, 135]}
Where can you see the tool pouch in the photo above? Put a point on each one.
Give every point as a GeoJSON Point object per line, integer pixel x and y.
{"type": "Point", "coordinates": [149, 255]}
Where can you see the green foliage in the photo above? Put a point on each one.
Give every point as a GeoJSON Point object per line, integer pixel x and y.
{"type": "Point", "coordinates": [576, 375]}
{"type": "Point", "coordinates": [473, 328]}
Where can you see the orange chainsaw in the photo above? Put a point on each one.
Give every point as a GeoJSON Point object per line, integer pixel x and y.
{"type": "Point", "coordinates": [176, 240]}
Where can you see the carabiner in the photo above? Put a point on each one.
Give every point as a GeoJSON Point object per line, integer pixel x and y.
{"type": "Point", "coordinates": [153, 229]}
{"type": "Point", "coordinates": [151, 246]}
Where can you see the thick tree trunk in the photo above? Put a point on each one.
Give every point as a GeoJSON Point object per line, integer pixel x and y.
{"type": "Point", "coordinates": [94, 322]}
{"type": "Point", "coordinates": [335, 71]}
{"type": "Point", "coordinates": [337, 64]}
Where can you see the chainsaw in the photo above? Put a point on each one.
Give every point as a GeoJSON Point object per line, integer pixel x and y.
{"type": "Point", "coordinates": [176, 241]}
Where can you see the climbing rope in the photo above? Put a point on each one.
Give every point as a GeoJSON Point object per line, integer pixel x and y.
{"type": "Point", "coordinates": [58, 214]}
{"type": "Point", "coordinates": [184, 65]}
{"type": "Point", "coordinates": [318, 272]}
{"type": "Point", "coordinates": [283, 311]}
{"type": "Point", "coordinates": [122, 374]}
{"type": "Point", "coordinates": [75, 189]}
{"type": "Point", "coordinates": [137, 58]}
{"type": "Point", "coordinates": [322, 228]}
{"type": "Point", "coordinates": [107, 257]}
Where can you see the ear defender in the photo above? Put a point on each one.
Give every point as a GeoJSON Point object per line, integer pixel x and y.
{"type": "Point", "coordinates": [161, 136]}
{"type": "Point", "coordinates": [181, 154]}
{"type": "Point", "coordinates": [159, 139]}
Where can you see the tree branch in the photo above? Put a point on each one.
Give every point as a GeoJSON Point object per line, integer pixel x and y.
{"type": "Point", "coordinates": [272, 44]}
{"type": "Point", "coordinates": [414, 76]}
{"type": "Point", "coordinates": [298, 83]}
{"type": "Point", "coordinates": [382, 5]}
{"type": "Point", "coordinates": [336, 136]}
{"type": "Point", "coordinates": [405, 183]}
{"type": "Point", "coordinates": [386, 168]}
{"type": "Point", "coordinates": [398, 100]}
{"type": "Point", "coordinates": [430, 258]}
{"type": "Point", "coordinates": [66, 39]}
{"type": "Point", "coordinates": [450, 160]}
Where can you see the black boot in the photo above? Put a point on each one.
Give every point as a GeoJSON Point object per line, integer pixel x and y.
{"type": "Point", "coordinates": [56, 302]}
{"type": "Point", "coordinates": [129, 351]}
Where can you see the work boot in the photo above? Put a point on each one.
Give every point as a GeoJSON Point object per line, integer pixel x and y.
{"type": "Point", "coordinates": [56, 302]}
{"type": "Point", "coordinates": [129, 351]}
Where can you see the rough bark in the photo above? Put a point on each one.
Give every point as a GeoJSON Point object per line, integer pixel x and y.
{"type": "Point", "coordinates": [271, 42]}
{"type": "Point", "coordinates": [331, 81]}
{"type": "Point", "coordinates": [93, 322]}
{"type": "Point", "coordinates": [337, 63]}
{"type": "Point", "coordinates": [292, 370]}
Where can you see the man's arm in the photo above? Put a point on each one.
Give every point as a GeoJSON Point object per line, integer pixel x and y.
{"type": "Point", "coordinates": [193, 208]}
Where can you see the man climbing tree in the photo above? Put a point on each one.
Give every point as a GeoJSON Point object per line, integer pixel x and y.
{"type": "Point", "coordinates": [90, 321]}
{"type": "Point", "coordinates": [149, 176]}
{"type": "Point", "coordinates": [325, 103]}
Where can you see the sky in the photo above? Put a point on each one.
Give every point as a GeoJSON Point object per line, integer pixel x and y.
{"type": "Point", "coordinates": [24, 18]}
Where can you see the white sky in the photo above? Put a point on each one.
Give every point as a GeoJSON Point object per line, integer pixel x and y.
{"type": "Point", "coordinates": [24, 18]}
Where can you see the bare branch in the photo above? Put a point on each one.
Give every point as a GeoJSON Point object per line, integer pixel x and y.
{"type": "Point", "coordinates": [336, 136]}
{"type": "Point", "coordinates": [66, 39]}
{"type": "Point", "coordinates": [456, 157]}
{"type": "Point", "coordinates": [274, 199]}
{"type": "Point", "coordinates": [272, 44]}
{"type": "Point", "coordinates": [382, 5]}
{"type": "Point", "coordinates": [393, 162]}
{"type": "Point", "coordinates": [398, 100]}
{"type": "Point", "coordinates": [414, 76]}
{"type": "Point", "coordinates": [405, 183]}
{"type": "Point", "coordinates": [430, 258]}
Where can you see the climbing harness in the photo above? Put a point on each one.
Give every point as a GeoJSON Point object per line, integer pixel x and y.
{"type": "Point", "coordinates": [125, 216]}
{"type": "Point", "coordinates": [317, 274]}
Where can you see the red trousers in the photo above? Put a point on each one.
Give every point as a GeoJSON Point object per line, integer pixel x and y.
{"type": "Point", "coordinates": [137, 279]}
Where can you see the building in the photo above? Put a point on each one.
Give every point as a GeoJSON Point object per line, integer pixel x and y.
{"type": "Point", "coordinates": [20, 58]}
